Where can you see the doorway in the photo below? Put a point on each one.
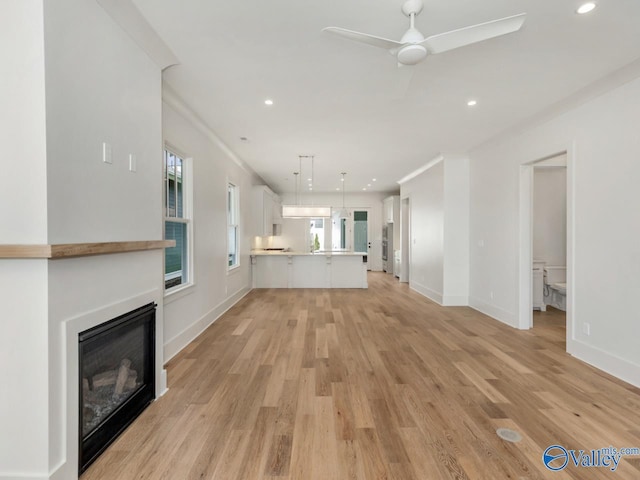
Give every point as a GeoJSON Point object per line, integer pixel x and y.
{"type": "Point", "coordinates": [361, 234]}
{"type": "Point", "coordinates": [360, 231]}
{"type": "Point", "coordinates": [546, 237]}
{"type": "Point", "coordinates": [352, 233]}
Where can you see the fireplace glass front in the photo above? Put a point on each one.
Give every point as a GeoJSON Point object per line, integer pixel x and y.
{"type": "Point", "coordinates": [117, 378]}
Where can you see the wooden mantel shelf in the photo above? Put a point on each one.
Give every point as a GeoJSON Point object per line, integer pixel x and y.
{"type": "Point", "coordinates": [66, 250]}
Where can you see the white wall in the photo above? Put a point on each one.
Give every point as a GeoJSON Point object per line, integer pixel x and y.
{"type": "Point", "coordinates": [23, 209]}
{"type": "Point", "coordinates": [294, 231]}
{"type": "Point", "coordinates": [99, 87]}
{"type": "Point", "coordinates": [550, 215]}
{"type": "Point", "coordinates": [456, 231]}
{"type": "Point", "coordinates": [439, 230]}
{"type": "Point", "coordinates": [601, 138]}
{"type": "Point", "coordinates": [24, 369]}
{"type": "Point", "coordinates": [427, 231]}
{"type": "Point", "coordinates": [189, 312]}
{"type": "Point", "coordinates": [23, 219]}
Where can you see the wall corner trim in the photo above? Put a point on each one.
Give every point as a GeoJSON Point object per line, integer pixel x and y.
{"type": "Point", "coordinates": [172, 99]}
{"type": "Point", "coordinates": [130, 19]}
{"type": "Point", "coordinates": [434, 161]}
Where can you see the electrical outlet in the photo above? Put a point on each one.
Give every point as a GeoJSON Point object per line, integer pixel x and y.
{"type": "Point", "coordinates": [133, 163]}
{"type": "Point", "coordinates": [586, 329]}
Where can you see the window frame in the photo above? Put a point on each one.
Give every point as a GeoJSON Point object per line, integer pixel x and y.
{"type": "Point", "coordinates": [186, 218]}
{"type": "Point", "coordinates": [233, 201]}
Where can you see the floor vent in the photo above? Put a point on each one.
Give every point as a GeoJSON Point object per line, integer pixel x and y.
{"type": "Point", "coordinates": [509, 435]}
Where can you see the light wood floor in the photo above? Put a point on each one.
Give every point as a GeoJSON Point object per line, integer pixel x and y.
{"type": "Point", "coordinates": [373, 384]}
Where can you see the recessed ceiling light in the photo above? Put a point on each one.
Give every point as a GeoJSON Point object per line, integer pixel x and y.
{"type": "Point", "coordinates": [308, 179]}
{"type": "Point", "coordinates": [373, 180]}
{"type": "Point", "coordinates": [338, 188]}
{"type": "Point", "coordinates": [311, 184]}
{"type": "Point", "coordinates": [472, 103]}
{"type": "Point", "coordinates": [342, 179]}
{"type": "Point", "coordinates": [586, 8]}
{"type": "Point", "coordinates": [364, 188]}
{"type": "Point", "coordinates": [268, 101]}
{"type": "Point", "coordinates": [368, 184]}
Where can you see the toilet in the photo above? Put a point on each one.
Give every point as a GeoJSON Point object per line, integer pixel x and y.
{"type": "Point", "coordinates": [555, 286]}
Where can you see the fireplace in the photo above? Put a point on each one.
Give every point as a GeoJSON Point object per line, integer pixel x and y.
{"type": "Point", "coordinates": [117, 378]}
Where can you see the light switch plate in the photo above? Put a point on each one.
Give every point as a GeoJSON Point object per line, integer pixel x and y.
{"type": "Point", "coordinates": [106, 153]}
{"type": "Point", "coordinates": [133, 163]}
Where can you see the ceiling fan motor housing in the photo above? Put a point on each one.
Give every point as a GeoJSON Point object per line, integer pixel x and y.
{"type": "Point", "coordinates": [412, 6]}
{"type": "Point", "coordinates": [411, 54]}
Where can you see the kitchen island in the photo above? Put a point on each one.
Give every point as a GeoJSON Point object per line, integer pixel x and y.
{"type": "Point", "coordinates": [327, 269]}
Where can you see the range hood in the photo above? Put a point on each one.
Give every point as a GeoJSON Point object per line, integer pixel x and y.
{"type": "Point", "coordinates": [305, 211]}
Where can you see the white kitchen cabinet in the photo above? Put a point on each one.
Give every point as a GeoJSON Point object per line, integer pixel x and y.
{"type": "Point", "coordinates": [265, 210]}
{"type": "Point", "coordinates": [391, 209]}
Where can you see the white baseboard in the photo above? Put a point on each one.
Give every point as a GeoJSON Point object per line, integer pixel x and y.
{"type": "Point", "coordinates": [177, 343]}
{"type": "Point", "coordinates": [64, 471]}
{"type": "Point", "coordinates": [21, 476]}
{"type": "Point", "coordinates": [426, 292]}
{"type": "Point", "coordinates": [163, 384]}
{"type": "Point", "coordinates": [499, 314]}
{"type": "Point", "coordinates": [455, 301]}
{"type": "Point", "coordinates": [605, 361]}
{"type": "Point", "coordinates": [58, 473]}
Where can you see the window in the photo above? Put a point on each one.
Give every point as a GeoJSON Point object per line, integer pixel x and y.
{"type": "Point", "coordinates": [316, 234]}
{"type": "Point", "coordinates": [177, 221]}
{"type": "Point", "coordinates": [339, 229]}
{"type": "Point", "coordinates": [232, 226]}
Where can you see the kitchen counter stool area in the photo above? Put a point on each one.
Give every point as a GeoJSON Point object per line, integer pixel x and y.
{"type": "Point", "coordinates": [309, 270]}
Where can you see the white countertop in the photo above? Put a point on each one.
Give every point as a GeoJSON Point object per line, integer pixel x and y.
{"type": "Point", "coordinates": [308, 254]}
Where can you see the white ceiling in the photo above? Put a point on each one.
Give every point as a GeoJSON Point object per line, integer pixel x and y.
{"type": "Point", "coordinates": [349, 105]}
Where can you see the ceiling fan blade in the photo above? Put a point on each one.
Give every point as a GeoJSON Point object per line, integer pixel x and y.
{"type": "Point", "coordinates": [363, 38]}
{"type": "Point", "coordinates": [473, 34]}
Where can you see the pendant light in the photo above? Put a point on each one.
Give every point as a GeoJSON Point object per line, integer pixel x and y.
{"type": "Point", "coordinates": [343, 212]}
{"type": "Point", "coordinates": [305, 211]}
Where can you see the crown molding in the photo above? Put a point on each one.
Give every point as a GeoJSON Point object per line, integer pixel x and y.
{"type": "Point", "coordinates": [424, 168]}
{"type": "Point", "coordinates": [172, 99]}
{"type": "Point", "coordinates": [129, 18]}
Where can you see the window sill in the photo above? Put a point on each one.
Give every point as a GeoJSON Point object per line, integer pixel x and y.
{"type": "Point", "coordinates": [177, 293]}
{"type": "Point", "coordinates": [232, 270]}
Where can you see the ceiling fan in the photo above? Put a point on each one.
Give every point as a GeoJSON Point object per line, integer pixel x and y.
{"type": "Point", "coordinates": [413, 47]}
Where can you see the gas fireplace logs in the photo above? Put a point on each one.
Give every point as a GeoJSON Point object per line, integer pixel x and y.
{"type": "Point", "coordinates": [123, 376]}
{"type": "Point", "coordinates": [123, 379]}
